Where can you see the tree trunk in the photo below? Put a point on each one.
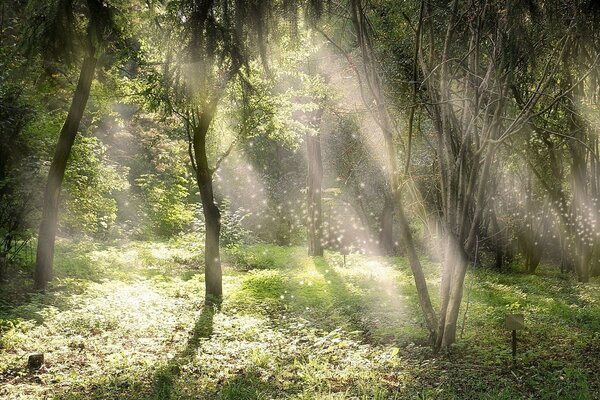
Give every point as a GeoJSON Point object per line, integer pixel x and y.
{"type": "Point", "coordinates": [213, 275]}
{"type": "Point", "coordinates": [48, 226]}
{"type": "Point", "coordinates": [3, 267]}
{"type": "Point", "coordinates": [386, 237]}
{"type": "Point", "coordinates": [497, 239]}
{"type": "Point", "coordinates": [417, 270]}
{"type": "Point", "coordinates": [314, 180]}
{"type": "Point", "coordinates": [451, 290]}
{"type": "Point", "coordinates": [384, 121]}
{"type": "Point", "coordinates": [529, 249]}
{"type": "Point", "coordinates": [582, 262]}
{"type": "Point", "coordinates": [283, 229]}
{"type": "Point", "coordinates": [452, 312]}
{"type": "Point", "coordinates": [212, 258]}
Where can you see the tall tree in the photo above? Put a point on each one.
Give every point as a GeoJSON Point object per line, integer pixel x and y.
{"type": "Point", "coordinates": [216, 42]}
{"type": "Point", "coordinates": [54, 33]}
{"type": "Point", "coordinates": [381, 112]}
{"type": "Point", "coordinates": [314, 189]}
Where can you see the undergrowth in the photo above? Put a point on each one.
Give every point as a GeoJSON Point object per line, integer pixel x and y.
{"type": "Point", "coordinates": [129, 322]}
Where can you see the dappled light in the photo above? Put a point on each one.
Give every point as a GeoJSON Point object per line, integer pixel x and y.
{"type": "Point", "coordinates": [302, 200]}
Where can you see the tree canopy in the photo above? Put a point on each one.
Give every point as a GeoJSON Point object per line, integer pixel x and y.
{"type": "Point", "coordinates": [453, 143]}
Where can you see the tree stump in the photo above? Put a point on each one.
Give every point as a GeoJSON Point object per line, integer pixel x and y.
{"type": "Point", "coordinates": [35, 361]}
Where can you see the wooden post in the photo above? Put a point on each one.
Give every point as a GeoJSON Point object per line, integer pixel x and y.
{"type": "Point", "coordinates": [514, 322]}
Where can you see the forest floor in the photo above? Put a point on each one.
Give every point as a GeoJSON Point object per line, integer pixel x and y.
{"type": "Point", "coordinates": [128, 322]}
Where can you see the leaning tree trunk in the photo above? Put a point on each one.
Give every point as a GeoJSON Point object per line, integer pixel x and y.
{"type": "Point", "coordinates": [383, 118]}
{"type": "Point", "coordinates": [314, 180]}
{"type": "Point", "coordinates": [212, 217]}
{"type": "Point", "coordinates": [48, 226]}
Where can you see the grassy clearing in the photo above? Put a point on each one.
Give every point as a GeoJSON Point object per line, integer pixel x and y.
{"type": "Point", "coordinates": [128, 322]}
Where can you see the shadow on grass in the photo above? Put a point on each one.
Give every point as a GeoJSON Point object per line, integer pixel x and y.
{"type": "Point", "coordinates": [344, 299]}
{"type": "Point", "coordinates": [167, 382]}
{"type": "Point", "coordinates": [245, 386]}
{"type": "Point", "coordinates": [78, 266]}
{"type": "Point", "coordinates": [554, 299]}
{"type": "Point", "coordinates": [19, 300]}
{"type": "Point", "coordinates": [165, 377]}
{"type": "Point", "coordinates": [131, 384]}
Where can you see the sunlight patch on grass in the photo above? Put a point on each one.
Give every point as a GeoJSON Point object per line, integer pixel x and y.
{"type": "Point", "coordinates": [128, 322]}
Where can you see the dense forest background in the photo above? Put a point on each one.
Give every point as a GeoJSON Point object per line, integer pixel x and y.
{"type": "Point", "coordinates": [440, 158]}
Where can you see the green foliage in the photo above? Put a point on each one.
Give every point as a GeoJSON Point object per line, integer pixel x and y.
{"type": "Point", "coordinates": [295, 327]}
{"type": "Point", "coordinates": [90, 188]}
{"type": "Point", "coordinates": [259, 256]}
{"type": "Point", "coordinates": [167, 209]}
{"type": "Point", "coordinates": [60, 29]}
{"type": "Point", "coordinates": [164, 185]}
{"type": "Point", "coordinates": [264, 284]}
{"type": "Point", "coordinates": [18, 173]}
{"type": "Point", "coordinates": [233, 232]}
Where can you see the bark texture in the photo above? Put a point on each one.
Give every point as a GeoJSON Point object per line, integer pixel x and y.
{"type": "Point", "coordinates": [212, 216]}
{"type": "Point", "coordinates": [49, 224]}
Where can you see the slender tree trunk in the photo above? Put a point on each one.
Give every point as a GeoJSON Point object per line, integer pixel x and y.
{"type": "Point", "coordinates": [456, 293]}
{"type": "Point", "coordinates": [417, 270]}
{"type": "Point", "coordinates": [498, 240]}
{"type": "Point", "coordinates": [454, 268]}
{"type": "Point", "coordinates": [284, 228]}
{"type": "Point", "coordinates": [582, 262]}
{"type": "Point", "coordinates": [386, 237]}
{"type": "Point", "coordinates": [48, 226]}
{"type": "Point", "coordinates": [212, 216]}
{"type": "Point", "coordinates": [383, 119]}
{"type": "Point", "coordinates": [3, 267]}
{"type": "Point", "coordinates": [314, 180]}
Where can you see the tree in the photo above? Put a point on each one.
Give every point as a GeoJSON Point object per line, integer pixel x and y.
{"type": "Point", "coordinates": [220, 40]}
{"type": "Point", "coordinates": [54, 33]}
{"type": "Point", "coordinates": [314, 191]}
{"type": "Point", "coordinates": [469, 55]}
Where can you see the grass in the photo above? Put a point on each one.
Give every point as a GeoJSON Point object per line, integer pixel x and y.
{"type": "Point", "coordinates": [129, 322]}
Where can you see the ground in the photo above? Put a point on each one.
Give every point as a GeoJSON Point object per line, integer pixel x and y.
{"type": "Point", "coordinates": [129, 322]}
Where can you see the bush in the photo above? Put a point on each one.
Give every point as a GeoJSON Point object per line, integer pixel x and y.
{"type": "Point", "coordinates": [90, 186]}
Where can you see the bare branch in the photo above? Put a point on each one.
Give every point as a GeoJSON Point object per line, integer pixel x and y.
{"type": "Point", "coordinates": [225, 154]}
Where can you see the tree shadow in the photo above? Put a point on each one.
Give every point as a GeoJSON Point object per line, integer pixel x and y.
{"type": "Point", "coordinates": [246, 385]}
{"type": "Point", "coordinates": [166, 380]}
{"type": "Point", "coordinates": [372, 306]}
{"type": "Point", "coordinates": [165, 377]}
{"type": "Point", "coordinates": [343, 297]}
{"type": "Point", "coordinates": [555, 299]}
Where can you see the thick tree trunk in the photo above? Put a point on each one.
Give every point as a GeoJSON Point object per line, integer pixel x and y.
{"type": "Point", "coordinates": [213, 275]}
{"type": "Point", "coordinates": [212, 258]}
{"type": "Point", "coordinates": [314, 180]}
{"type": "Point", "coordinates": [527, 235]}
{"type": "Point", "coordinates": [48, 226]}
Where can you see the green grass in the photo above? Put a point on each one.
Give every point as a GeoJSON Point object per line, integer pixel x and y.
{"type": "Point", "coordinates": [129, 322]}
